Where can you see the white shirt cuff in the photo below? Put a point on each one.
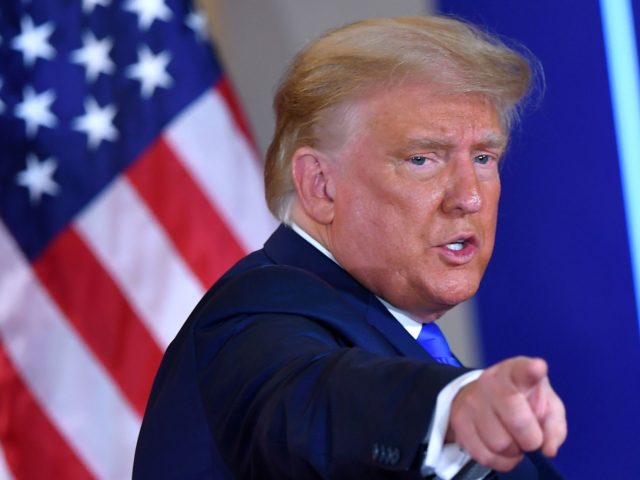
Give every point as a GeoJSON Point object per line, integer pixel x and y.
{"type": "Point", "coordinates": [445, 460]}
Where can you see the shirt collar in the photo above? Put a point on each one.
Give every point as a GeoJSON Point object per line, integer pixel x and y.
{"type": "Point", "coordinates": [409, 324]}
{"type": "Point", "coordinates": [313, 241]}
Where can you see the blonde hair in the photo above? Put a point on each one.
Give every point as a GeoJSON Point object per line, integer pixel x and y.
{"type": "Point", "coordinates": [345, 63]}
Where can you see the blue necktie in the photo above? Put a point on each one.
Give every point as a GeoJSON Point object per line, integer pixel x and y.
{"type": "Point", "coordinates": [433, 341]}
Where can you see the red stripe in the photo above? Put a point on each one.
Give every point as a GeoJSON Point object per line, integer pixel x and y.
{"type": "Point", "coordinates": [225, 89]}
{"type": "Point", "coordinates": [94, 304]}
{"type": "Point", "coordinates": [193, 225]}
{"type": "Point", "coordinates": [33, 447]}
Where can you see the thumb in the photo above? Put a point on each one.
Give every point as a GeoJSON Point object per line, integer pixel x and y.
{"type": "Point", "coordinates": [527, 373]}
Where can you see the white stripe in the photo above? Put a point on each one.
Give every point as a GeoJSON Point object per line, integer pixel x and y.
{"type": "Point", "coordinates": [221, 161]}
{"type": "Point", "coordinates": [136, 252]}
{"type": "Point", "coordinates": [70, 385]}
{"type": "Point", "coordinates": [5, 473]}
{"type": "Point", "coordinates": [624, 78]}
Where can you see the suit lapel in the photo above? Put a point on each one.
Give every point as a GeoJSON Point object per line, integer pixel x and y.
{"type": "Point", "coordinates": [379, 317]}
{"type": "Point", "coordinates": [285, 247]}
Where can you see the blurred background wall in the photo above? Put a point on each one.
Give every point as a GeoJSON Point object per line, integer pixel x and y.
{"type": "Point", "coordinates": [256, 39]}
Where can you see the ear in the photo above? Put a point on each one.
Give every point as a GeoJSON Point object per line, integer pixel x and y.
{"type": "Point", "coordinates": [312, 176]}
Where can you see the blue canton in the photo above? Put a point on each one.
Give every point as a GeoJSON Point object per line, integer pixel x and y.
{"type": "Point", "coordinates": [85, 87]}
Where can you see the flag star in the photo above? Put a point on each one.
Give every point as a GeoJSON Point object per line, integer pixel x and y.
{"type": "Point", "coordinates": [37, 177]}
{"type": "Point", "coordinates": [35, 110]}
{"type": "Point", "coordinates": [97, 123]}
{"type": "Point", "coordinates": [197, 22]}
{"type": "Point", "coordinates": [89, 5]}
{"type": "Point", "coordinates": [33, 41]}
{"type": "Point", "coordinates": [151, 71]}
{"type": "Point", "coordinates": [94, 56]}
{"type": "Point", "coordinates": [148, 11]}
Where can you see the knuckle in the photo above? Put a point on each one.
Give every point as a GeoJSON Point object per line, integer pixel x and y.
{"type": "Point", "coordinates": [525, 430]}
{"type": "Point", "coordinates": [503, 445]}
{"type": "Point", "coordinates": [528, 443]}
{"type": "Point", "coordinates": [515, 406]}
{"type": "Point", "coordinates": [463, 409]}
{"type": "Point", "coordinates": [487, 459]}
{"type": "Point", "coordinates": [549, 450]}
{"type": "Point", "coordinates": [563, 432]}
{"type": "Point", "coordinates": [516, 415]}
{"type": "Point", "coordinates": [519, 421]}
{"type": "Point", "coordinates": [558, 428]}
{"type": "Point", "coordinates": [531, 440]}
{"type": "Point", "coordinates": [556, 436]}
{"type": "Point", "coordinates": [490, 375]}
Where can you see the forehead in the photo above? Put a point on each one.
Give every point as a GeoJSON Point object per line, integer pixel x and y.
{"type": "Point", "coordinates": [419, 113]}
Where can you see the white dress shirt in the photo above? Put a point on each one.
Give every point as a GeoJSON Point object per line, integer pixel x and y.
{"type": "Point", "coordinates": [445, 460]}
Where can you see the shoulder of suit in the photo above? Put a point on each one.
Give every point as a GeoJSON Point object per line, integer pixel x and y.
{"type": "Point", "coordinates": [272, 279]}
{"type": "Point", "coordinates": [273, 289]}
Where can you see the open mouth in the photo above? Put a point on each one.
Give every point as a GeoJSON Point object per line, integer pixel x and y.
{"type": "Point", "coordinates": [462, 246]}
{"type": "Point", "coordinates": [456, 246]}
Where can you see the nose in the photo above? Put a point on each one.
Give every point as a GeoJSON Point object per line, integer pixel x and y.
{"type": "Point", "coordinates": [462, 191]}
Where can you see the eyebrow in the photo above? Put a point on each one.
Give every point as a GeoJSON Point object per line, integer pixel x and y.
{"type": "Point", "coordinates": [494, 140]}
{"type": "Point", "coordinates": [491, 140]}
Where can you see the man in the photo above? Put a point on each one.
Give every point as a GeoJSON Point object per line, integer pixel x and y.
{"type": "Point", "coordinates": [302, 361]}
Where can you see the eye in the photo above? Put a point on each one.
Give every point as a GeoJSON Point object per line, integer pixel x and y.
{"type": "Point", "coordinates": [482, 159]}
{"type": "Point", "coordinates": [418, 159]}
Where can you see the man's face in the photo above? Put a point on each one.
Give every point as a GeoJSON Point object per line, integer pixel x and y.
{"type": "Point", "coordinates": [416, 196]}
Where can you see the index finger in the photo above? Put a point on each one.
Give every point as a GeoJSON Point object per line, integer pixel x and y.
{"type": "Point", "coordinates": [526, 373]}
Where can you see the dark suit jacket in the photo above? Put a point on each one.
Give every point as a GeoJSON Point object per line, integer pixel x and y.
{"type": "Point", "coordinates": [289, 368]}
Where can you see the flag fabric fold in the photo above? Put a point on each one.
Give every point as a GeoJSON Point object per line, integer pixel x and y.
{"type": "Point", "coordinates": [128, 184]}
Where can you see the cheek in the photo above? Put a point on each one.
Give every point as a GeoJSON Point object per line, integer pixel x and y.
{"type": "Point", "coordinates": [353, 205]}
{"type": "Point", "coordinates": [359, 198]}
{"type": "Point", "coordinates": [491, 200]}
{"type": "Point", "coordinates": [490, 219]}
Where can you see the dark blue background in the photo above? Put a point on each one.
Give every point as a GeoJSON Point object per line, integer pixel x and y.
{"type": "Point", "coordinates": [560, 282]}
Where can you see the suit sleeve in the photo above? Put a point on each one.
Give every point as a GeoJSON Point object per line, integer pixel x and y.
{"type": "Point", "coordinates": [285, 397]}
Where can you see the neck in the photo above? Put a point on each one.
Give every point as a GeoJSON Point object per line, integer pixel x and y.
{"type": "Point", "coordinates": [317, 231]}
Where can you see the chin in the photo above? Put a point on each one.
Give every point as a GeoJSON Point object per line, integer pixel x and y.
{"type": "Point", "coordinates": [458, 292]}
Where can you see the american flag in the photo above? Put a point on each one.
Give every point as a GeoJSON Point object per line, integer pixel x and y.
{"type": "Point", "coordinates": [128, 184]}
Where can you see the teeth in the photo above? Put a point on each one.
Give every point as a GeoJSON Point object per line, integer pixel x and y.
{"type": "Point", "coordinates": [456, 246]}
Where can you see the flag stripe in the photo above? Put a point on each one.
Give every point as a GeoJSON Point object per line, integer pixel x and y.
{"type": "Point", "coordinates": [224, 87]}
{"type": "Point", "coordinates": [5, 473]}
{"type": "Point", "coordinates": [220, 159]}
{"type": "Point", "coordinates": [70, 385]}
{"type": "Point", "coordinates": [33, 447]}
{"type": "Point", "coordinates": [190, 221]}
{"type": "Point", "coordinates": [137, 253]}
{"type": "Point", "coordinates": [95, 306]}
